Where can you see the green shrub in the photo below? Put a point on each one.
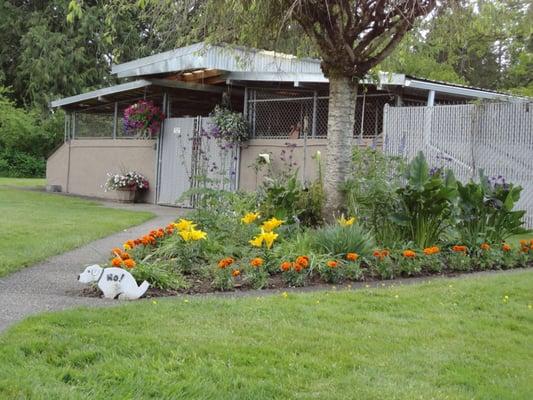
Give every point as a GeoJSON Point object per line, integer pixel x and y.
{"type": "Point", "coordinates": [26, 138]}
{"type": "Point", "coordinates": [371, 193]}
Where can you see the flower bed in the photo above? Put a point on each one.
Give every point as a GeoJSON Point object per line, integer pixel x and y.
{"type": "Point", "coordinates": [237, 241]}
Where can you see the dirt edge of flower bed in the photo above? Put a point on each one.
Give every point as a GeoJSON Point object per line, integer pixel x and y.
{"type": "Point", "coordinates": [276, 283]}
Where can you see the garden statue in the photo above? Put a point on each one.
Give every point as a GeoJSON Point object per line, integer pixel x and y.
{"type": "Point", "coordinates": [115, 283]}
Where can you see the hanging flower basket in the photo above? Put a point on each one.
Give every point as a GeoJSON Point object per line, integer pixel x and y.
{"type": "Point", "coordinates": [143, 119]}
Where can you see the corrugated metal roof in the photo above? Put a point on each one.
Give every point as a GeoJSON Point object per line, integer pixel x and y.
{"type": "Point", "coordinates": [249, 65]}
{"type": "Point", "coordinates": [222, 57]}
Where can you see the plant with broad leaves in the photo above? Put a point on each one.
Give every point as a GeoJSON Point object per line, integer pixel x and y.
{"type": "Point", "coordinates": [426, 203]}
{"type": "Point", "coordinates": [485, 211]}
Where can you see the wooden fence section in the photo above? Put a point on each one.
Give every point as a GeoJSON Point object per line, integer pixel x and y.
{"type": "Point", "coordinates": [497, 138]}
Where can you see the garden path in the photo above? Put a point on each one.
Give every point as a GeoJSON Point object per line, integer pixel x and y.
{"type": "Point", "coordinates": [52, 284]}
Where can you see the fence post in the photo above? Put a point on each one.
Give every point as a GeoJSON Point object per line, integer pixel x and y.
{"type": "Point", "coordinates": [385, 126]}
{"type": "Point", "coordinates": [115, 121]}
{"type": "Point", "coordinates": [315, 105]}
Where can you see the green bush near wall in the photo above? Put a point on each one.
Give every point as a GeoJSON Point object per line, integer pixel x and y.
{"type": "Point", "coordinates": [27, 138]}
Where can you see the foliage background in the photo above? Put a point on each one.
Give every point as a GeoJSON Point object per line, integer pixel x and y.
{"type": "Point", "coordinates": [52, 49]}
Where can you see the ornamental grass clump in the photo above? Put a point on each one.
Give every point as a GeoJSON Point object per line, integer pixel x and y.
{"type": "Point", "coordinates": [341, 239]}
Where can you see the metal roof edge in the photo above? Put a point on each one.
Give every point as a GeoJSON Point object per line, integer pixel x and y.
{"type": "Point", "coordinates": [123, 87]}
{"type": "Point", "coordinates": [459, 90]}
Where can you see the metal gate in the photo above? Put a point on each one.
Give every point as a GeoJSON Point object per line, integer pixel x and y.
{"type": "Point", "coordinates": [190, 157]}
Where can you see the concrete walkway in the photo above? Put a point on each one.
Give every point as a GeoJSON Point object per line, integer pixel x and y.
{"type": "Point", "coordinates": [52, 284]}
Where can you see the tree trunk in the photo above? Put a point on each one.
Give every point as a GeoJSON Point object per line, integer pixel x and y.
{"type": "Point", "coordinates": [341, 118]}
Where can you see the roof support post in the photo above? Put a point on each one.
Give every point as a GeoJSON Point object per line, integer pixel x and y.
{"type": "Point", "coordinates": [431, 98]}
{"type": "Point", "coordinates": [74, 125]}
{"type": "Point", "coordinates": [115, 121]}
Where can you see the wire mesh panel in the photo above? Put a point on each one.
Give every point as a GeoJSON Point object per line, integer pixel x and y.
{"type": "Point", "coordinates": [369, 115]}
{"type": "Point", "coordinates": [294, 114]}
{"type": "Point", "coordinates": [93, 124]}
{"type": "Point", "coordinates": [281, 114]}
{"type": "Point", "coordinates": [496, 138]}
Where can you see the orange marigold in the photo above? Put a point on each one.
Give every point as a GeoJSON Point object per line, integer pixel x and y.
{"type": "Point", "coordinates": [225, 262]}
{"type": "Point", "coordinates": [380, 255]}
{"type": "Point", "coordinates": [116, 251]}
{"type": "Point", "coordinates": [256, 262]}
{"type": "Point", "coordinates": [235, 273]}
{"type": "Point", "coordinates": [116, 262]}
{"type": "Point", "coordinates": [298, 267]}
{"type": "Point", "coordinates": [431, 250]}
{"type": "Point", "coordinates": [303, 261]}
{"type": "Point", "coordinates": [285, 266]}
{"type": "Point", "coordinates": [506, 247]}
{"type": "Point", "coordinates": [332, 263]}
{"type": "Point", "coordinates": [409, 254]}
{"type": "Point", "coordinates": [485, 246]}
{"type": "Point", "coordinates": [129, 263]}
{"type": "Point", "coordinates": [459, 248]}
{"type": "Point", "coordinates": [137, 242]}
{"type": "Point", "coordinates": [125, 256]}
{"type": "Point", "coordinates": [352, 256]}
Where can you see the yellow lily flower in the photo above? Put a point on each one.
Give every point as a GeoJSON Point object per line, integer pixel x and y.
{"type": "Point", "coordinates": [271, 224]}
{"type": "Point", "coordinates": [345, 222]}
{"type": "Point", "coordinates": [185, 235]}
{"type": "Point", "coordinates": [184, 225]}
{"type": "Point", "coordinates": [256, 241]}
{"type": "Point", "coordinates": [268, 238]}
{"type": "Point", "coordinates": [198, 235]}
{"type": "Point", "coordinates": [250, 217]}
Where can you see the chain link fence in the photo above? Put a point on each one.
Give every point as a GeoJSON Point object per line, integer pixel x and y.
{"type": "Point", "coordinates": [293, 114]}
{"type": "Point", "coordinates": [99, 122]}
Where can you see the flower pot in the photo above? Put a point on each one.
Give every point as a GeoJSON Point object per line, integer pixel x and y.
{"type": "Point", "coordinates": [125, 195]}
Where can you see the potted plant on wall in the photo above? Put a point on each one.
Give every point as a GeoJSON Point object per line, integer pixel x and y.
{"type": "Point", "coordinates": [126, 185]}
{"type": "Point", "coordinates": [143, 119]}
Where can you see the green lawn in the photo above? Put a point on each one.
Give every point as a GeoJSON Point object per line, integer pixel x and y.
{"type": "Point", "coordinates": [37, 225]}
{"type": "Point", "coordinates": [23, 182]}
{"type": "Point", "coordinates": [448, 339]}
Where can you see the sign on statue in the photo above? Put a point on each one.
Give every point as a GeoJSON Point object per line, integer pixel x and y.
{"type": "Point", "coordinates": [115, 283]}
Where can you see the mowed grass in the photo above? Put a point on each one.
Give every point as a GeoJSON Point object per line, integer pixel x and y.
{"type": "Point", "coordinates": [23, 182]}
{"type": "Point", "coordinates": [37, 225]}
{"type": "Point", "coordinates": [448, 339]}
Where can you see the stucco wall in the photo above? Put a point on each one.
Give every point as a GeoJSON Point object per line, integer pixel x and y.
{"type": "Point", "coordinates": [248, 179]}
{"type": "Point", "coordinates": [81, 166]}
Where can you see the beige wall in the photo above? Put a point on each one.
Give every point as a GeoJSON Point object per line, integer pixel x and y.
{"type": "Point", "coordinates": [92, 159]}
{"type": "Point", "coordinates": [248, 180]}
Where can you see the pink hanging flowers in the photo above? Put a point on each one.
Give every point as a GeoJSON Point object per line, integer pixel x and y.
{"type": "Point", "coordinates": [143, 117]}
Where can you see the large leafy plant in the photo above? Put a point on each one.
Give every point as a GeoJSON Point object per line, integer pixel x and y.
{"type": "Point", "coordinates": [485, 211]}
{"type": "Point", "coordinates": [426, 202]}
